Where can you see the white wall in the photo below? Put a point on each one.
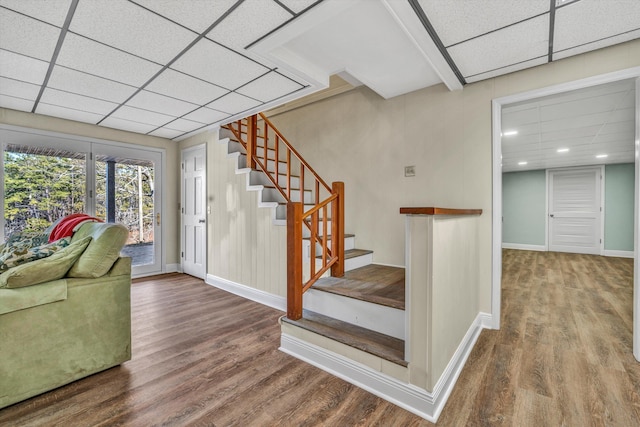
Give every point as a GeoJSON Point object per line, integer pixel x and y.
{"type": "Point", "coordinates": [244, 246]}
{"type": "Point", "coordinates": [361, 139]}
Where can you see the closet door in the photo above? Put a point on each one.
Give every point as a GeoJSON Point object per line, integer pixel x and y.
{"type": "Point", "coordinates": [575, 210]}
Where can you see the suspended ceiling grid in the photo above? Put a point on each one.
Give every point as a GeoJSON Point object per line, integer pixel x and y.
{"type": "Point", "coordinates": [173, 68]}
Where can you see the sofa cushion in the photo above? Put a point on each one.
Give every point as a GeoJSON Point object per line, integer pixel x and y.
{"type": "Point", "coordinates": [103, 251]}
{"type": "Point", "coordinates": [46, 269]}
{"type": "Point", "coordinates": [32, 296]}
{"type": "Point", "coordinates": [22, 252]}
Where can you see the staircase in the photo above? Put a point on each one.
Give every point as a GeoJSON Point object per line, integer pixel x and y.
{"type": "Point", "coordinates": [363, 309]}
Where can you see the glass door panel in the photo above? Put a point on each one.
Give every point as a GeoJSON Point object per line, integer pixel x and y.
{"type": "Point", "coordinates": [126, 192]}
{"type": "Point", "coordinates": [41, 185]}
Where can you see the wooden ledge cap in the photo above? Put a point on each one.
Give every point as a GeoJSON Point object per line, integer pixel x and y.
{"type": "Point", "coordinates": [439, 211]}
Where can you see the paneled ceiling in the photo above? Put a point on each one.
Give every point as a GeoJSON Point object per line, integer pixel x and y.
{"type": "Point", "coordinates": [173, 68]}
{"type": "Point", "coordinates": [590, 126]}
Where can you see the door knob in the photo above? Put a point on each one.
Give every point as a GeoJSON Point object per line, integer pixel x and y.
{"type": "Point", "coordinates": [551, 215]}
{"type": "Point", "coordinates": [202, 221]}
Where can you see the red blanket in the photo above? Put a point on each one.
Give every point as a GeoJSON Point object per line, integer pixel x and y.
{"type": "Point", "coordinates": [69, 224]}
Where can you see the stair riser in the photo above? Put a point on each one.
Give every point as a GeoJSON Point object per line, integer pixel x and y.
{"type": "Point", "coordinates": [271, 166]}
{"type": "Point", "coordinates": [273, 195]}
{"type": "Point", "coordinates": [349, 243]}
{"type": "Point", "coordinates": [356, 312]}
{"type": "Point", "coordinates": [357, 262]}
{"type": "Point", "coordinates": [259, 178]}
{"type": "Point", "coordinates": [281, 212]}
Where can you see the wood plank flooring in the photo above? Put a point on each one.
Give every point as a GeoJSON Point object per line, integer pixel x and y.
{"type": "Point", "coordinates": [384, 346]}
{"type": "Point", "coordinates": [205, 357]}
{"type": "Point", "coordinates": [375, 283]}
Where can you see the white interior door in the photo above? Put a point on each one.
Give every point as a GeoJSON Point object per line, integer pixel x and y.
{"type": "Point", "coordinates": [194, 218]}
{"type": "Point", "coordinates": [575, 210]}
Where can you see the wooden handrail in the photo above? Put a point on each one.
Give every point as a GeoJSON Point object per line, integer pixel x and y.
{"type": "Point", "coordinates": [293, 150]}
{"type": "Point", "coordinates": [331, 250]}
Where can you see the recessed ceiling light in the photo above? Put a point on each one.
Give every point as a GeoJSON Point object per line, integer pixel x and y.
{"type": "Point", "coordinates": [602, 156]}
{"type": "Point", "coordinates": [563, 150]}
{"type": "Point", "coordinates": [510, 133]}
{"type": "Point", "coordinates": [522, 163]}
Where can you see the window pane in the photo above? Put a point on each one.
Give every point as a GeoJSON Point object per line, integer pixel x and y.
{"type": "Point", "coordinates": [41, 185]}
{"type": "Point", "coordinates": [132, 196]}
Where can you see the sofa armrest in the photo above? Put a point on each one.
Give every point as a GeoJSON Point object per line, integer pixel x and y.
{"type": "Point", "coordinates": [121, 267]}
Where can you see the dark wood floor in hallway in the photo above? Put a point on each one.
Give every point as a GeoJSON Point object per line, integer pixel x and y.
{"type": "Point", "coordinates": [206, 357]}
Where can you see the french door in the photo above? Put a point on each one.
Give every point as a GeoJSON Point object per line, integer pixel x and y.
{"type": "Point", "coordinates": [46, 177]}
{"type": "Point", "coordinates": [127, 183]}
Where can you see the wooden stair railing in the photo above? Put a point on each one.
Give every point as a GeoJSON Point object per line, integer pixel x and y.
{"type": "Point", "coordinates": [265, 145]}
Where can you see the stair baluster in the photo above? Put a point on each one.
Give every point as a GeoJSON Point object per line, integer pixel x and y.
{"type": "Point", "coordinates": [332, 256]}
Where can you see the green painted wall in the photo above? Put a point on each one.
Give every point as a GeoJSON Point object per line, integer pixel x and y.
{"type": "Point", "coordinates": [523, 207]}
{"type": "Point", "coordinates": [618, 207]}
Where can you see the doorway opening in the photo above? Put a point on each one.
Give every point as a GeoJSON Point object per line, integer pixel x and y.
{"type": "Point", "coordinates": [501, 163]}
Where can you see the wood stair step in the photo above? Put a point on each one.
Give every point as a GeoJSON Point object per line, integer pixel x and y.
{"type": "Point", "coordinates": [378, 284]}
{"type": "Point", "coordinates": [380, 345]}
{"type": "Point", "coordinates": [352, 253]}
{"type": "Point", "coordinates": [346, 236]}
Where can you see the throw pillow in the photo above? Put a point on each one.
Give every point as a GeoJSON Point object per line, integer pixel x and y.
{"type": "Point", "coordinates": [23, 253]}
{"type": "Point", "coordinates": [46, 269]}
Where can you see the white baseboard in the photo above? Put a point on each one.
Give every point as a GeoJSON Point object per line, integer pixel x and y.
{"type": "Point", "coordinates": [522, 247]}
{"type": "Point", "coordinates": [270, 300]}
{"type": "Point", "coordinates": [173, 268]}
{"type": "Point", "coordinates": [619, 254]}
{"type": "Point", "coordinates": [423, 403]}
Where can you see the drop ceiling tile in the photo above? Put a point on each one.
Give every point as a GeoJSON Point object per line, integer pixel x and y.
{"type": "Point", "coordinates": [15, 103]}
{"type": "Point", "coordinates": [53, 12]}
{"type": "Point", "coordinates": [185, 125]}
{"type": "Point", "coordinates": [632, 35]}
{"type": "Point", "coordinates": [89, 85]}
{"type": "Point", "coordinates": [181, 86]}
{"type": "Point", "coordinates": [513, 119]}
{"type": "Point", "coordinates": [234, 103]}
{"type": "Point", "coordinates": [129, 27]}
{"type": "Point", "coordinates": [507, 70]}
{"type": "Point", "coordinates": [141, 116]}
{"type": "Point", "coordinates": [298, 6]}
{"type": "Point", "coordinates": [579, 108]}
{"type": "Point", "coordinates": [27, 36]}
{"type": "Point", "coordinates": [587, 21]}
{"type": "Point", "coordinates": [91, 57]}
{"type": "Point", "coordinates": [19, 89]}
{"type": "Point", "coordinates": [161, 104]}
{"type": "Point", "coordinates": [128, 125]}
{"type": "Point", "coordinates": [256, 18]}
{"type": "Point", "coordinates": [269, 87]}
{"type": "Point", "coordinates": [206, 115]}
{"type": "Point", "coordinates": [77, 102]}
{"type": "Point", "coordinates": [166, 133]}
{"type": "Point", "coordinates": [503, 48]}
{"type": "Point", "coordinates": [197, 15]}
{"type": "Point", "coordinates": [455, 21]}
{"type": "Point", "coordinates": [23, 68]}
{"type": "Point", "coordinates": [218, 65]}
{"type": "Point", "coordinates": [68, 113]}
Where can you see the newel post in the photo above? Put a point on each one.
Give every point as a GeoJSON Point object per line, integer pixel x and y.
{"type": "Point", "coordinates": [337, 229]}
{"type": "Point", "coordinates": [252, 137]}
{"type": "Point", "coordinates": [294, 260]}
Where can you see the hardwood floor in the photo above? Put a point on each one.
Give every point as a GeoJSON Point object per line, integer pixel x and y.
{"type": "Point", "coordinates": [206, 357]}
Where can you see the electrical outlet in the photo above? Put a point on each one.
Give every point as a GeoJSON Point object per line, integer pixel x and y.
{"type": "Point", "coordinates": [409, 171]}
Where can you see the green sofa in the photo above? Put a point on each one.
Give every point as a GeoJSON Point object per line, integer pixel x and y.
{"type": "Point", "coordinates": [67, 316]}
